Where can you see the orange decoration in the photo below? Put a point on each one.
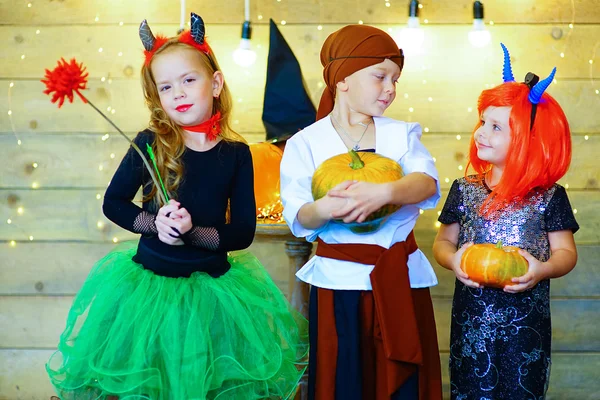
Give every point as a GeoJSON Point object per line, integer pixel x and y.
{"type": "Point", "coordinates": [367, 167]}
{"type": "Point", "coordinates": [266, 158]}
{"type": "Point", "coordinates": [493, 265]}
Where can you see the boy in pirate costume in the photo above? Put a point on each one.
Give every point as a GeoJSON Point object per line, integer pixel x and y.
{"type": "Point", "coordinates": [372, 329]}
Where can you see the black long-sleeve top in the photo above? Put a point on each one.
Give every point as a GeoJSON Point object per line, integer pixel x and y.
{"type": "Point", "coordinates": [211, 179]}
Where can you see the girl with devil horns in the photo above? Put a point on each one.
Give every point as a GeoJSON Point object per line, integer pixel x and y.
{"type": "Point", "coordinates": [500, 338]}
{"type": "Point", "coordinates": [176, 316]}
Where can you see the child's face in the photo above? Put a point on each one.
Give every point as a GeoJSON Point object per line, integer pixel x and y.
{"type": "Point", "coordinates": [185, 87]}
{"type": "Point", "coordinates": [371, 90]}
{"type": "Point", "coordinates": [492, 138]}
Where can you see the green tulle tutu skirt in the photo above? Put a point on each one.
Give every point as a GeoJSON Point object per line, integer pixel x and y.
{"type": "Point", "coordinates": [136, 335]}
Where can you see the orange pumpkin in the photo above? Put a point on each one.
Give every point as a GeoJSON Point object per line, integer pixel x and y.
{"type": "Point", "coordinates": [266, 158]}
{"type": "Point", "coordinates": [367, 167]}
{"type": "Point", "coordinates": [493, 265]}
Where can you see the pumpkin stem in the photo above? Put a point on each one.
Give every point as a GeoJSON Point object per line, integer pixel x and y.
{"type": "Point", "coordinates": [499, 244]}
{"type": "Point", "coordinates": [356, 162]}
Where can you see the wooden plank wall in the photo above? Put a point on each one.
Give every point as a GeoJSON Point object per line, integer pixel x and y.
{"type": "Point", "coordinates": [51, 185]}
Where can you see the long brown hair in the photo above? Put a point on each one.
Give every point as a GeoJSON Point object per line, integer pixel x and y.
{"type": "Point", "coordinates": [169, 143]}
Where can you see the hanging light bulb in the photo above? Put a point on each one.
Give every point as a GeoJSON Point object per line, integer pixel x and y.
{"type": "Point", "coordinates": [411, 38]}
{"type": "Point", "coordinates": [244, 56]}
{"type": "Point", "coordinates": [479, 36]}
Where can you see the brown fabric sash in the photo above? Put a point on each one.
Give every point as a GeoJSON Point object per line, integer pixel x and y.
{"type": "Point", "coordinates": [391, 292]}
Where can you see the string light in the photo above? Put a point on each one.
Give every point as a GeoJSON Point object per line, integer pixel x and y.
{"type": "Point", "coordinates": [458, 137]}
{"type": "Point", "coordinates": [30, 238]}
{"type": "Point", "coordinates": [244, 56]}
{"type": "Point", "coordinates": [37, 32]}
{"type": "Point", "coordinates": [320, 28]}
{"type": "Point", "coordinates": [283, 22]}
{"type": "Point", "coordinates": [20, 210]}
{"type": "Point", "coordinates": [411, 38]}
{"type": "Point", "coordinates": [13, 243]}
{"type": "Point", "coordinates": [479, 36]}
{"type": "Point", "coordinates": [98, 196]}
{"type": "Point", "coordinates": [115, 240]}
{"type": "Point", "coordinates": [9, 221]}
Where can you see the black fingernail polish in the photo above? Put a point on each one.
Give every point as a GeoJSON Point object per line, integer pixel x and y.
{"type": "Point", "coordinates": [168, 214]}
{"type": "Point", "coordinates": [173, 236]}
{"type": "Point", "coordinates": [175, 229]}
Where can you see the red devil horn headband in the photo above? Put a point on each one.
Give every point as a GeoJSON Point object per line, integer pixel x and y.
{"type": "Point", "coordinates": [193, 37]}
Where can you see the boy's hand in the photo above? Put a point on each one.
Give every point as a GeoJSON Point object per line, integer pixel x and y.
{"type": "Point", "coordinates": [364, 198]}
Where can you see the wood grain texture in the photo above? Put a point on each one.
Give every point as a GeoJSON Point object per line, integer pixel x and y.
{"type": "Point", "coordinates": [37, 321]}
{"type": "Point", "coordinates": [296, 11]}
{"type": "Point", "coordinates": [74, 160]}
{"type": "Point", "coordinates": [23, 376]}
{"type": "Point", "coordinates": [74, 215]}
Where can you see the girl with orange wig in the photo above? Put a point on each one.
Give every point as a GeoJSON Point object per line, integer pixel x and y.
{"type": "Point", "coordinates": [183, 313]}
{"type": "Point", "coordinates": [500, 338]}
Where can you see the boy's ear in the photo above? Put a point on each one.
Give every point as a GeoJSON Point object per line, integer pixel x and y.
{"type": "Point", "coordinates": [342, 86]}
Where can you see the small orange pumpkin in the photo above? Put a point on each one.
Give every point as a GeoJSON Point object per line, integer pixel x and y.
{"type": "Point", "coordinates": [493, 264]}
{"type": "Point", "coordinates": [366, 167]}
{"type": "Point", "coordinates": [266, 158]}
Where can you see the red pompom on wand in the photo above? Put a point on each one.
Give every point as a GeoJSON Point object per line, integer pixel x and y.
{"type": "Point", "coordinates": [69, 78]}
{"type": "Point", "coordinates": [66, 78]}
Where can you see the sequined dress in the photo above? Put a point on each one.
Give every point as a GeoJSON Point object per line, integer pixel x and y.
{"type": "Point", "coordinates": [500, 342]}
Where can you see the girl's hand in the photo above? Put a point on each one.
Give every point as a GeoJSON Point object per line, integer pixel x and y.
{"type": "Point", "coordinates": [460, 274]}
{"type": "Point", "coordinates": [364, 198]}
{"type": "Point", "coordinates": [165, 226]}
{"type": "Point", "coordinates": [536, 273]}
{"type": "Point", "coordinates": [167, 209]}
{"type": "Point", "coordinates": [183, 220]}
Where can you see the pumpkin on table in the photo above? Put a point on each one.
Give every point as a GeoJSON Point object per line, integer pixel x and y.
{"type": "Point", "coordinates": [366, 167]}
{"type": "Point", "coordinates": [266, 158]}
{"type": "Point", "coordinates": [493, 264]}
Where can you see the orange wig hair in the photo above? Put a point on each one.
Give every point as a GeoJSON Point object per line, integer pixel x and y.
{"type": "Point", "coordinates": [536, 158]}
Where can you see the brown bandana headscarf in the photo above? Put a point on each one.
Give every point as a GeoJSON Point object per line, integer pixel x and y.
{"type": "Point", "coordinates": [351, 49]}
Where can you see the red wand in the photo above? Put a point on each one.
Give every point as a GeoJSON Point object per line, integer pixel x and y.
{"type": "Point", "coordinates": [67, 79]}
